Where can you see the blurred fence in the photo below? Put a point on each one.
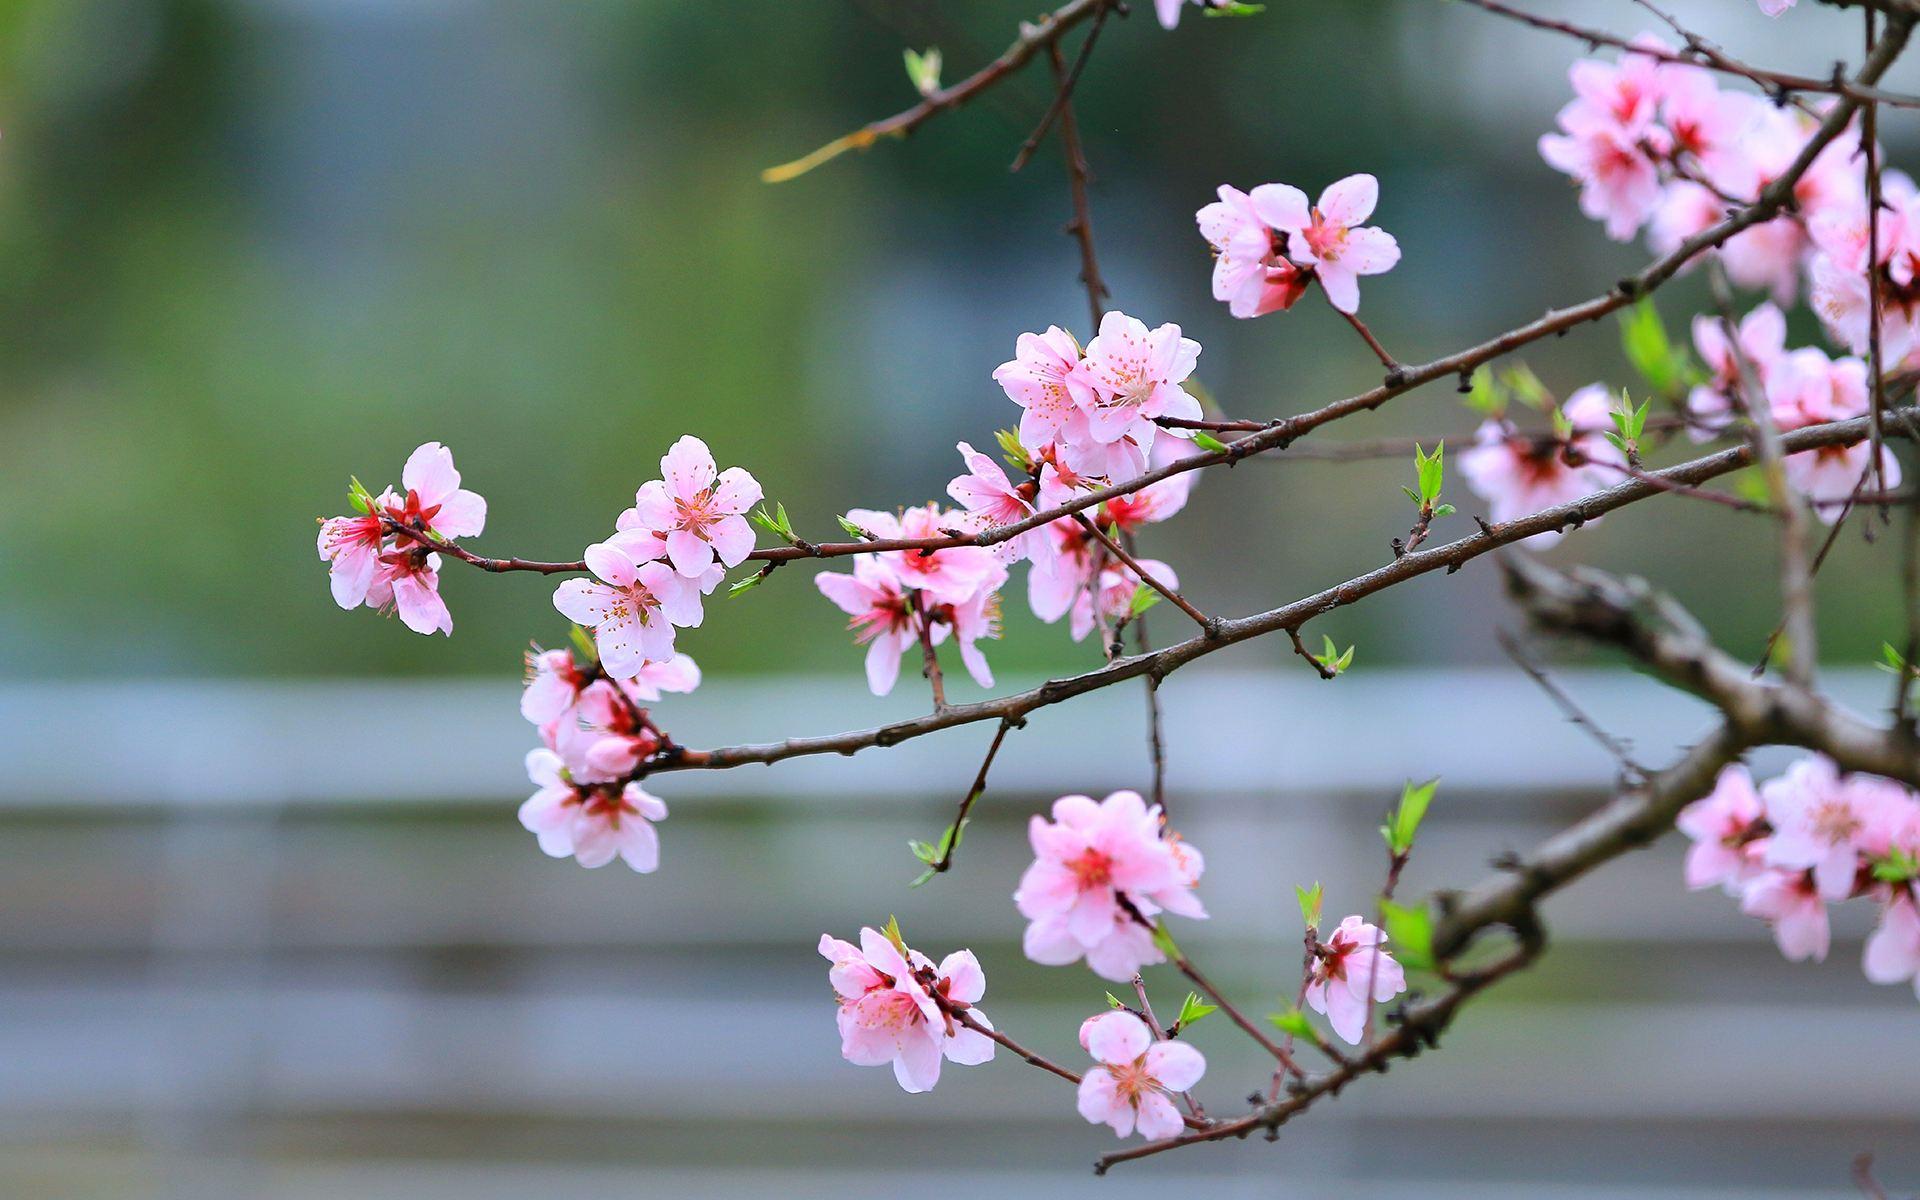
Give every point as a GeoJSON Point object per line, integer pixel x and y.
{"type": "Point", "coordinates": [287, 940]}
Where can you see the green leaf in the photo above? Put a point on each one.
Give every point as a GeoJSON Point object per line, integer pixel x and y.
{"type": "Point", "coordinates": [745, 585]}
{"type": "Point", "coordinates": [923, 70]}
{"type": "Point", "coordinates": [1295, 1023]}
{"type": "Point", "coordinates": [923, 851]}
{"type": "Point", "coordinates": [1144, 598]}
{"type": "Point", "coordinates": [1011, 449]}
{"type": "Point", "coordinates": [584, 651]}
{"type": "Point", "coordinates": [775, 522]}
{"type": "Point", "coordinates": [1400, 829]}
{"type": "Point", "coordinates": [1113, 1001]}
{"type": "Point", "coordinates": [1428, 472]}
{"type": "Point", "coordinates": [1644, 340]}
{"type": "Point", "coordinates": [1208, 442]}
{"type": "Point", "coordinates": [854, 531]}
{"type": "Point", "coordinates": [1485, 395]}
{"type": "Point", "coordinates": [1234, 8]}
{"type": "Point", "coordinates": [1409, 934]}
{"type": "Point", "coordinates": [1892, 661]}
{"type": "Point", "coordinates": [1526, 387]}
{"type": "Point", "coordinates": [1444, 510]}
{"type": "Point", "coordinates": [1192, 1010]}
{"type": "Point", "coordinates": [892, 933]}
{"type": "Point", "coordinates": [1899, 866]}
{"type": "Point", "coordinates": [1311, 903]}
{"type": "Point", "coordinates": [920, 879]}
{"type": "Point", "coordinates": [1165, 942]}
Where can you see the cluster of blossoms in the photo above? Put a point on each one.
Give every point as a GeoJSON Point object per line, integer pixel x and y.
{"type": "Point", "coordinates": [1659, 145]}
{"type": "Point", "coordinates": [384, 557]}
{"type": "Point", "coordinates": [1269, 244]}
{"type": "Point", "coordinates": [896, 1006]}
{"type": "Point", "coordinates": [1801, 387]}
{"type": "Point", "coordinates": [1090, 418]}
{"type": "Point", "coordinates": [1519, 473]}
{"type": "Point", "coordinates": [1808, 838]}
{"type": "Point", "coordinates": [1100, 873]}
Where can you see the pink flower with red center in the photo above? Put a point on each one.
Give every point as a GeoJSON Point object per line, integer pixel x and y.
{"type": "Point", "coordinates": [1791, 903]}
{"type": "Point", "coordinates": [948, 576]}
{"type": "Point", "coordinates": [1098, 869]}
{"type": "Point", "coordinates": [1748, 359]}
{"type": "Point", "coordinates": [698, 511]}
{"type": "Point", "coordinates": [973, 622]}
{"type": "Point", "coordinates": [1346, 968]}
{"type": "Point", "coordinates": [1135, 375]}
{"type": "Point", "coordinates": [604, 736]}
{"type": "Point", "coordinates": [1726, 826]}
{"type": "Point", "coordinates": [1112, 597]}
{"type": "Point", "coordinates": [635, 607]}
{"type": "Point", "coordinates": [1063, 571]}
{"type": "Point", "coordinates": [553, 683]}
{"type": "Point", "coordinates": [592, 824]}
{"type": "Point", "coordinates": [351, 548]}
{"type": "Point", "coordinates": [883, 617]}
{"type": "Point", "coordinates": [1328, 237]}
{"type": "Point", "coordinates": [1841, 298]}
{"type": "Point", "coordinates": [1626, 94]}
{"type": "Point", "coordinates": [1520, 474]}
{"type": "Point", "coordinates": [1619, 182]}
{"type": "Point", "coordinates": [1251, 273]}
{"type": "Point", "coordinates": [434, 501]}
{"type": "Point", "coordinates": [408, 581]}
{"type": "Point", "coordinates": [995, 501]}
{"type": "Point", "coordinates": [897, 1007]}
{"type": "Point", "coordinates": [1132, 1084]}
{"type": "Point", "coordinates": [1710, 127]}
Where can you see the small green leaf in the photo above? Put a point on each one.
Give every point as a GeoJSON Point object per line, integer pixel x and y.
{"type": "Point", "coordinates": [891, 931]}
{"type": "Point", "coordinates": [1011, 449]}
{"type": "Point", "coordinates": [1113, 1001]}
{"type": "Point", "coordinates": [1400, 829]}
{"type": "Point", "coordinates": [920, 879]}
{"type": "Point", "coordinates": [1165, 942]}
{"type": "Point", "coordinates": [584, 650]}
{"type": "Point", "coordinates": [1899, 866]}
{"type": "Point", "coordinates": [1208, 442]}
{"type": "Point", "coordinates": [1409, 933]}
{"type": "Point", "coordinates": [854, 531]}
{"type": "Point", "coordinates": [923, 851]}
{"type": "Point", "coordinates": [1485, 395]}
{"type": "Point", "coordinates": [1294, 1023]}
{"type": "Point", "coordinates": [774, 522]}
{"type": "Point", "coordinates": [1311, 903]}
{"type": "Point", "coordinates": [745, 585]}
{"type": "Point", "coordinates": [1643, 338]}
{"type": "Point", "coordinates": [1192, 1010]}
{"type": "Point", "coordinates": [1234, 8]}
{"type": "Point", "coordinates": [923, 70]}
{"type": "Point", "coordinates": [1144, 598]}
{"type": "Point", "coordinates": [1444, 510]}
{"type": "Point", "coordinates": [1526, 387]}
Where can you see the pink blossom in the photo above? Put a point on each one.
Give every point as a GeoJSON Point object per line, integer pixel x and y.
{"type": "Point", "coordinates": [1329, 237]}
{"type": "Point", "coordinates": [698, 510]}
{"type": "Point", "coordinates": [1345, 966]}
{"type": "Point", "coordinates": [1250, 273]}
{"type": "Point", "coordinates": [1092, 863]}
{"type": "Point", "coordinates": [351, 547]}
{"type": "Point", "coordinates": [1063, 571]}
{"type": "Point", "coordinates": [1816, 815]}
{"type": "Point", "coordinates": [434, 501]}
{"type": "Point", "coordinates": [1520, 474]}
{"type": "Point", "coordinates": [1043, 378]}
{"type": "Point", "coordinates": [603, 737]}
{"type": "Point", "coordinates": [1619, 183]}
{"type": "Point", "coordinates": [553, 683]}
{"type": "Point", "coordinates": [1157, 501]}
{"type": "Point", "coordinates": [594, 825]}
{"type": "Point", "coordinates": [883, 618]}
{"type": "Point", "coordinates": [1131, 1087]}
{"type": "Point", "coordinates": [1841, 299]}
{"type": "Point", "coordinates": [948, 576]}
{"type": "Point", "coordinates": [635, 608]}
{"type": "Point", "coordinates": [896, 1006]}
{"type": "Point", "coordinates": [1112, 599]}
{"type": "Point", "coordinates": [676, 674]}
{"type": "Point", "coordinates": [1723, 826]}
{"type": "Point", "coordinates": [408, 581]}
{"type": "Point", "coordinates": [1761, 344]}
{"type": "Point", "coordinates": [975, 621]}
{"type": "Point", "coordinates": [1135, 375]}
{"type": "Point", "coordinates": [996, 501]}
{"type": "Point", "coordinates": [1710, 126]}
{"type": "Point", "coordinates": [1626, 94]}
{"type": "Point", "coordinates": [1789, 901]}
{"type": "Point", "coordinates": [1893, 951]}
{"type": "Point", "coordinates": [1774, 8]}
{"type": "Point", "coordinates": [1169, 11]}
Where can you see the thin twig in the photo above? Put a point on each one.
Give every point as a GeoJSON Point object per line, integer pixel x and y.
{"type": "Point", "coordinates": [1081, 227]}
{"type": "Point", "coordinates": [1616, 748]}
{"type": "Point", "coordinates": [1064, 92]}
{"type": "Point", "coordinates": [945, 861]}
{"type": "Point", "coordinates": [1133, 564]}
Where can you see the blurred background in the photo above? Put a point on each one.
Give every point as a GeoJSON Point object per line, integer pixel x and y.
{"type": "Point", "coordinates": [267, 924]}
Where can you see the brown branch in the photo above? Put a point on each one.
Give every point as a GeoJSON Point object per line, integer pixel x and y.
{"type": "Point", "coordinates": [1064, 92]}
{"type": "Point", "coordinates": [1373, 343]}
{"type": "Point", "coordinates": [1081, 227]}
{"type": "Point", "coordinates": [1569, 708]}
{"type": "Point", "coordinates": [930, 665]}
{"type": "Point", "coordinates": [1033, 38]}
{"type": "Point", "coordinates": [1133, 564]}
{"type": "Point", "coordinates": [1299, 647]}
{"type": "Point", "coordinates": [1160, 663]}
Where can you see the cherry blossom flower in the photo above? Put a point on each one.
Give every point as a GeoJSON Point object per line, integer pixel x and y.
{"type": "Point", "coordinates": [1710, 126]}
{"type": "Point", "coordinates": [1095, 867]}
{"type": "Point", "coordinates": [698, 510]}
{"type": "Point", "coordinates": [1723, 824]}
{"type": "Point", "coordinates": [1131, 1086]}
{"type": "Point", "coordinates": [1169, 11]}
{"type": "Point", "coordinates": [593, 825]}
{"type": "Point", "coordinates": [1135, 375]}
{"type": "Point", "coordinates": [996, 501]}
{"type": "Point", "coordinates": [635, 608]}
{"type": "Point", "coordinates": [408, 581]}
{"type": "Point", "coordinates": [1112, 598]}
{"type": "Point", "coordinates": [434, 501]}
{"type": "Point", "coordinates": [351, 548]}
{"type": "Point", "coordinates": [883, 618]}
{"type": "Point", "coordinates": [1816, 815]}
{"type": "Point", "coordinates": [1841, 298]}
{"type": "Point", "coordinates": [604, 739]}
{"type": "Point", "coordinates": [553, 683]}
{"type": "Point", "coordinates": [948, 576]}
{"type": "Point", "coordinates": [677, 674]}
{"type": "Point", "coordinates": [1250, 272]}
{"type": "Point", "coordinates": [1893, 951]}
{"type": "Point", "coordinates": [1791, 903]}
{"type": "Point", "coordinates": [1619, 182]}
{"type": "Point", "coordinates": [1759, 345]}
{"type": "Point", "coordinates": [1157, 501]}
{"type": "Point", "coordinates": [973, 622]}
{"type": "Point", "coordinates": [1328, 237]}
{"type": "Point", "coordinates": [1043, 378]}
{"type": "Point", "coordinates": [896, 1006]}
{"type": "Point", "coordinates": [1063, 571]}
{"type": "Point", "coordinates": [1347, 965]}
{"type": "Point", "coordinates": [1519, 474]}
